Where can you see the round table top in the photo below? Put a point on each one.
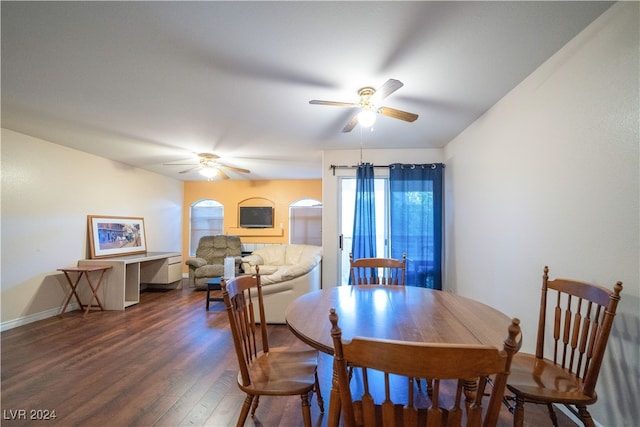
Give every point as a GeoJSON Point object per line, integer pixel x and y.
{"type": "Point", "coordinates": [404, 313]}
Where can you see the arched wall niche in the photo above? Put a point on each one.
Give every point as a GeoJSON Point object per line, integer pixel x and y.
{"type": "Point", "coordinates": [257, 201]}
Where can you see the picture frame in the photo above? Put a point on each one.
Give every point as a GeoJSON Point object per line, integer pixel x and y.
{"type": "Point", "coordinates": [111, 236]}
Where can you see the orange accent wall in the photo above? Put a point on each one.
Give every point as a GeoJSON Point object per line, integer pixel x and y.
{"type": "Point", "coordinates": [232, 193]}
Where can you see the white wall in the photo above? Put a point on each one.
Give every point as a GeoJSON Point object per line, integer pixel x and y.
{"type": "Point", "coordinates": [47, 192]}
{"type": "Point", "coordinates": [550, 176]}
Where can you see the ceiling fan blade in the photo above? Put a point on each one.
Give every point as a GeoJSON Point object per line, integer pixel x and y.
{"type": "Point", "coordinates": [179, 164]}
{"type": "Point", "coordinates": [201, 157]}
{"type": "Point", "coordinates": [222, 174]}
{"type": "Point", "coordinates": [232, 168]}
{"type": "Point", "coordinates": [398, 114]}
{"type": "Point", "coordinates": [334, 103]}
{"type": "Point", "coordinates": [191, 169]}
{"type": "Point", "coordinates": [387, 89]}
{"type": "Point", "coordinates": [352, 123]}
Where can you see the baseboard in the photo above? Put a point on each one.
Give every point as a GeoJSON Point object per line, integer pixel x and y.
{"type": "Point", "coordinates": [25, 320]}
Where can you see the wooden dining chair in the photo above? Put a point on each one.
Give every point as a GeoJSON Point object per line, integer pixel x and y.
{"type": "Point", "coordinates": [378, 271]}
{"type": "Point", "coordinates": [264, 370]}
{"type": "Point", "coordinates": [399, 403]}
{"type": "Point", "coordinates": [573, 326]}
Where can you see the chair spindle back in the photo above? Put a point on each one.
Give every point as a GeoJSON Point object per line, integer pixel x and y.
{"type": "Point", "coordinates": [582, 316]}
{"type": "Point", "coordinates": [249, 339]}
{"type": "Point", "coordinates": [401, 404]}
{"type": "Point", "coordinates": [378, 271]}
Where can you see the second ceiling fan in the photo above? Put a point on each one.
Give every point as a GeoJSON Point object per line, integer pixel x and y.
{"type": "Point", "coordinates": [368, 104]}
{"type": "Point", "coordinates": [209, 166]}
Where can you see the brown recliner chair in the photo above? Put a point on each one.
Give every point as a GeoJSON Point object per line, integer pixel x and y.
{"type": "Point", "coordinates": [209, 260]}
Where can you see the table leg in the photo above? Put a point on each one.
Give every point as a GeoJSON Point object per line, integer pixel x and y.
{"type": "Point", "coordinates": [213, 287]}
{"type": "Point", "coordinates": [72, 293]}
{"type": "Point", "coordinates": [94, 292]}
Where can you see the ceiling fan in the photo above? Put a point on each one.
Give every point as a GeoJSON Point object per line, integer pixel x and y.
{"type": "Point", "coordinates": [209, 166]}
{"type": "Point", "coordinates": [368, 105]}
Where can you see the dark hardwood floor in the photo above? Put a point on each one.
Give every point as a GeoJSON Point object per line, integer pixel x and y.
{"type": "Point", "coordinates": [163, 362]}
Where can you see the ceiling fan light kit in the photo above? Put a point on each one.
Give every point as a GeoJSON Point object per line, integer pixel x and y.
{"type": "Point", "coordinates": [366, 117]}
{"type": "Point", "coordinates": [208, 172]}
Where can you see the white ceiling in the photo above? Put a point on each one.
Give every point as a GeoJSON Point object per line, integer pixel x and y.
{"type": "Point", "coordinates": [146, 83]}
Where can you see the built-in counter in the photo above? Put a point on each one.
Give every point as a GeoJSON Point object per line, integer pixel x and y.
{"type": "Point", "coordinates": [129, 274]}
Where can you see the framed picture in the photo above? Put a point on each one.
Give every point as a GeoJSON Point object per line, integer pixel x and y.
{"type": "Point", "coordinates": [116, 235]}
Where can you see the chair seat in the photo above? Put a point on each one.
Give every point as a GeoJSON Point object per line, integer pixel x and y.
{"type": "Point", "coordinates": [282, 371]}
{"type": "Point", "coordinates": [541, 380]}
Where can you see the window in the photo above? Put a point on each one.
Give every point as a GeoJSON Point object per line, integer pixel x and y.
{"type": "Point", "coordinates": [207, 219]}
{"type": "Point", "coordinates": [305, 222]}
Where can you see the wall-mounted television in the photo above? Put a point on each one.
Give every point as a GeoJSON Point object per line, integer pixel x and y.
{"type": "Point", "coordinates": [256, 217]}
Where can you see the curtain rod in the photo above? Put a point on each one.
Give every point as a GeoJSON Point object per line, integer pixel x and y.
{"type": "Point", "coordinates": [334, 167]}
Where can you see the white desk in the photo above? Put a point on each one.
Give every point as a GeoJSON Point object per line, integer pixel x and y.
{"type": "Point", "coordinates": [129, 274]}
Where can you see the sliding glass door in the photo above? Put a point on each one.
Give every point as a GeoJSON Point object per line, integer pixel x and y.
{"type": "Point", "coordinates": [408, 220]}
{"type": "Point", "coordinates": [347, 197]}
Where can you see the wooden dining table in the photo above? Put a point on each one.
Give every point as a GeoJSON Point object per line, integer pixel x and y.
{"type": "Point", "coordinates": [403, 313]}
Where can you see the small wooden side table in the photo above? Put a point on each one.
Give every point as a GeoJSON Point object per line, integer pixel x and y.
{"type": "Point", "coordinates": [213, 285]}
{"type": "Point", "coordinates": [84, 271]}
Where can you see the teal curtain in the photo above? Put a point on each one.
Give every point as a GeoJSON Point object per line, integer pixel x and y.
{"type": "Point", "coordinates": [416, 221]}
{"type": "Point", "coordinates": [364, 222]}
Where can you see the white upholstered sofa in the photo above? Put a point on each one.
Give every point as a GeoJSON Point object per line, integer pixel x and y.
{"type": "Point", "coordinates": [286, 272]}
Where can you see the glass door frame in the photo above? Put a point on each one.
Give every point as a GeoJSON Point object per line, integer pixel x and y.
{"type": "Point", "coordinates": [346, 202]}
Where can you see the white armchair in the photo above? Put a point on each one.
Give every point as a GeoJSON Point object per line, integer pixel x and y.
{"type": "Point", "coordinates": [286, 272]}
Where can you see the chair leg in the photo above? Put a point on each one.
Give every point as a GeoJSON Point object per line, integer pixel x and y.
{"type": "Point", "coordinates": [306, 409]}
{"type": "Point", "coordinates": [506, 400]}
{"type": "Point", "coordinates": [552, 414]}
{"type": "Point", "coordinates": [319, 395]}
{"type": "Point", "coordinates": [585, 416]}
{"type": "Point", "coordinates": [256, 401]}
{"type": "Point", "coordinates": [518, 412]}
{"type": "Point", "coordinates": [245, 410]}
